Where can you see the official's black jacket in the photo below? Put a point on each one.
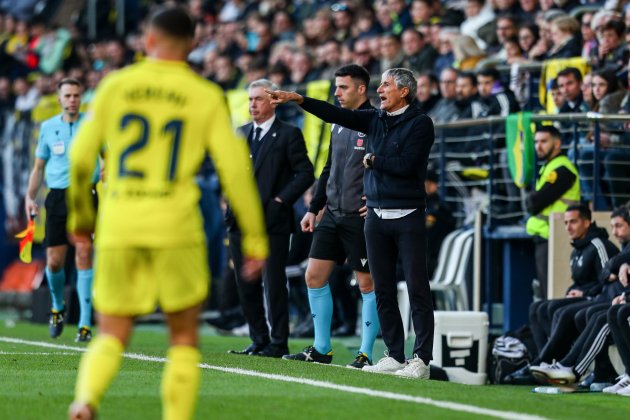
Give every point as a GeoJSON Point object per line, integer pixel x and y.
{"type": "Point", "coordinates": [340, 184]}
{"type": "Point", "coordinates": [400, 144]}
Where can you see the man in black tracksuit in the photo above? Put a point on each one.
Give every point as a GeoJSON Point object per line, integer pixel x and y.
{"type": "Point", "coordinates": [400, 140]}
{"type": "Point", "coordinates": [591, 251]}
{"type": "Point", "coordinates": [581, 319]}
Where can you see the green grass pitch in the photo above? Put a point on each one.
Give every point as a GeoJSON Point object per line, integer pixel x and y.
{"type": "Point", "coordinates": [37, 382]}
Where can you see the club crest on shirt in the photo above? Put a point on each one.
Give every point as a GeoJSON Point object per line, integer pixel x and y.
{"type": "Point", "coordinates": [360, 143]}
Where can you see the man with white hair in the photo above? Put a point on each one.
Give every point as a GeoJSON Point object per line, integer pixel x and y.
{"type": "Point", "coordinates": [283, 172]}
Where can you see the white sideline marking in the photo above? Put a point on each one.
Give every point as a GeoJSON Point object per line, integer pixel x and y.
{"type": "Point", "coordinates": [303, 381]}
{"type": "Point", "coordinates": [35, 353]}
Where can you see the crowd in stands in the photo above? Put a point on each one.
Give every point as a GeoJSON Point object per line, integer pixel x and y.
{"type": "Point", "coordinates": [453, 46]}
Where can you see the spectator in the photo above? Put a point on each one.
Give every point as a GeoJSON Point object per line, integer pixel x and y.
{"type": "Point", "coordinates": [363, 56]}
{"type": "Point", "coordinates": [556, 96]}
{"type": "Point", "coordinates": [492, 90]}
{"type": "Point", "coordinates": [609, 97]}
{"type": "Point", "coordinates": [301, 70]}
{"type": "Point", "coordinates": [565, 38]}
{"type": "Point", "coordinates": [570, 86]}
{"type": "Point", "coordinates": [226, 74]}
{"type": "Point", "coordinates": [528, 37]}
{"type": "Point", "coordinates": [589, 40]}
{"type": "Point", "coordinates": [365, 25]}
{"type": "Point", "coordinates": [392, 54]}
{"type": "Point", "coordinates": [329, 55]}
{"type": "Point", "coordinates": [529, 10]}
{"type": "Point", "coordinates": [342, 21]}
{"type": "Point", "coordinates": [467, 53]}
{"type": "Point", "coordinates": [513, 51]}
{"type": "Point", "coordinates": [283, 26]}
{"type": "Point", "coordinates": [479, 15]}
{"type": "Point", "coordinates": [507, 27]}
{"type": "Point", "coordinates": [587, 91]}
{"type": "Point", "coordinates": [421, 11]}
{"type": "Point", "coordinates": [419, 55]}
{"type": "Point", "coordinates": [400, 17]}
{"type": "Point", "coordinates": [26, 97]}
{"type": "Point", "coordinates": [428, 92]}
{"type": "Point", "coordinates": [445, 110]}
{"type": "Point", "coordinates": [612, 53]}
{"type": "Point", "coordinates": [446, 58]}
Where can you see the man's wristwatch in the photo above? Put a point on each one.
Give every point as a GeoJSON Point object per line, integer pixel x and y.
{"type": "Point", "coordinates": [367, 160]}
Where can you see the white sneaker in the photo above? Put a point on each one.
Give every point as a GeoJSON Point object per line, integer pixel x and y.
{"type": "Point", "coordinates": [555, 374]}
{"type": "Point", "coordinates": [624, 391]}
{"type": "Point", "coordinates": [622, 383]}
{"type": "Point", "coordinates": [385, 365]}
{"type": "Point", "coordinates": [415, 368]}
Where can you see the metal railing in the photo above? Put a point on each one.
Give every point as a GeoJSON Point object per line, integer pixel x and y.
{"type": "Point", "coordinates": [469, 155]}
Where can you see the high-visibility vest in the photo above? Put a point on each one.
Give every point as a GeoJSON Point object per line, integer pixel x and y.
{"type": "Point", "coordinates": [539, 224]}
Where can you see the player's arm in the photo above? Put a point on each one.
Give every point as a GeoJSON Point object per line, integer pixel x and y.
{"type": "Point", "coordinates": [34, 184]}
{"type": "Point", "coordinates": [231, 158]}
{"type": "Point", "coordinates": [84, 152]}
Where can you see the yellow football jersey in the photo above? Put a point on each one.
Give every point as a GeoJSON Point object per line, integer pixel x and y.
{"type": "Point", "coordinates": [155, 120]}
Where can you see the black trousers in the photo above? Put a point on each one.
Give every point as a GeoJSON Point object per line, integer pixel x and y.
{"type": "Point", "coordinates": [619, 323]}
{"type": "Point", "coordinates": [265, 301]}
{"type": "Point", "coordinates": [387, 240]}
{"type": "Point", "coordinates": [541, 314]}
{"type": "Point", "coordinates": [589, 344]}
{"type": "Point", "coordinates": [541, 257]}
{"type": "Point", "coordinates": [563, 333]}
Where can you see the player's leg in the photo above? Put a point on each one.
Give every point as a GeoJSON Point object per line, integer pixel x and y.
{"type": "Point", "coordinates": [56, 248]}
{"type": "Point", "coordinates": [100, 364]}
{"type": "Point", "coordinates": [56, 275]}
{"type": "Point", "coordinates": [180, 381]}
{"type": "Point", "coordinates": [85, 274]}
{"type": "Point", "coordinates": [326, 250]}
{"type": "Point", "coordinates": [369, 315]}
{"type": "Point", "coordinates": [124, 287]}
{"type": "Point", "coordinates": [183, 278]}
{"type": "Point", "coordinates": [352, 234]}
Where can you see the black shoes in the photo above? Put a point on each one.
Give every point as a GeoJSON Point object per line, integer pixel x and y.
{"type": "Point", "coordinates": [84, 335]}
{"type": "Point", "coordinates": [361, 360]}
{"type": "Point", "coordinates": [520, 377]}
{"type": "Point", "coordinates": [55, 323]}
{"type": "Point", "coordinates": [272, 350]}
{"type": "Point", "coordinates": [251, 349]}
{"type": "Point", "coordinates": [309, 354]}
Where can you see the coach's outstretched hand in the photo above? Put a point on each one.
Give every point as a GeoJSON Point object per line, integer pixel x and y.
{"type": "Point", "coordinates": [282, 97]}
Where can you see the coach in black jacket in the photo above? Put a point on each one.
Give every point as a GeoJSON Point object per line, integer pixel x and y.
{"type": "Point", "coordinates": [396, 162]}
{"type": "Point", "coordinates": [283, 172]}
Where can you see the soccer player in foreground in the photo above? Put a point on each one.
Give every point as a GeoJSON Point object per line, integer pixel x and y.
{"type": "Point", "coordinates": [156, 121]}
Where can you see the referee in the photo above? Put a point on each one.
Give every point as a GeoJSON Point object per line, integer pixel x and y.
{"type": "Point", "coordinates": [396, 162]}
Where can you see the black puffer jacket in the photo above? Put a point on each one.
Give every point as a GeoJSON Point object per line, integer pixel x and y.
{"type": "Point", "coordinates": [588, 258]}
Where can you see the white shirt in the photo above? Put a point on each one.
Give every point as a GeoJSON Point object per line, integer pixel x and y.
{"type": "Point", "coordinates": [398, 112]}
{"type": "Point", "coordinates": [394, 213]}
{"type": "Point", "coordinates": [266, 126]}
